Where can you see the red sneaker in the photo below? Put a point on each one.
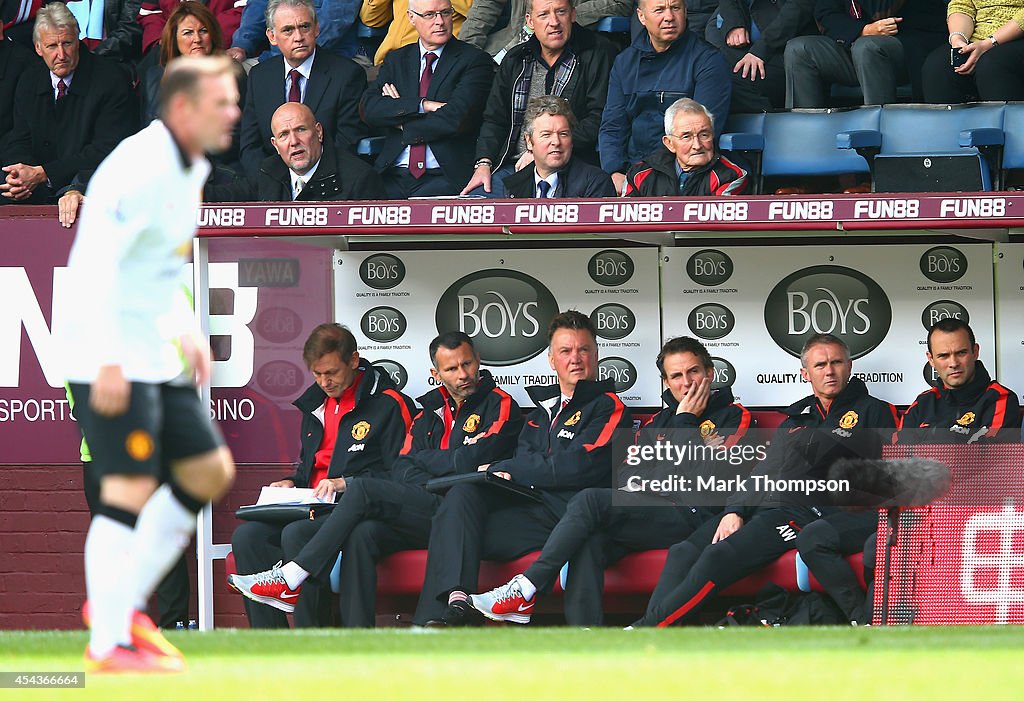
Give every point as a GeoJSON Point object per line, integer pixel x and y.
{"type": "Point", "coordinates": [131, 660]}
{"type": "Point", "coordinates": [506, 603]}
{"type": "Point", "coordinates": [267, 587]}
{"type": "Point", "coordinates": [145, 635]}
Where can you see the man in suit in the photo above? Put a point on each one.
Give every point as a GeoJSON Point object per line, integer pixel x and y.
{"type": "Point", "coordinates": [303, 169]}
{"type": "Point", "coordinates": [329, 84]}
{"type": "Point", "coordinates": [68, 114]}
{"type": "Point", "coordinates": [548, 125]}
{"type": "Point", "coordinates": [429, 97]}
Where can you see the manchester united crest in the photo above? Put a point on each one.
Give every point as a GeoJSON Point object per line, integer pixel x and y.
{"type": "Point", "coordinates": [472, 423]}
{"type": "Point", "coordinates": [707, 428]}
{"type": "Point", "coordinates": [139, 445]}
{"type": "Point", "coordinates": [360, 430]}
{"type": "Point", "coordinates": [574, 419]}
{"type": "Point", "coordinates": [849, 420]}
{"type": "Point", "coordinates": [967, 419]}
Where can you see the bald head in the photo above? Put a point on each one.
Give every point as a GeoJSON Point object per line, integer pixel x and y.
{"type": "Point", "coordinates": [297, 136]}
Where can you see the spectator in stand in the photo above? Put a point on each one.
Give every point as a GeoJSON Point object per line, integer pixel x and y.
{"type": "Point", "coordinates": [155, 14]}
{"type": "Point", "coordinates": [986, 33]}
{"type": "Point", "coordinates": [392, 14]}
{"type": "Point", "coordinates": [329, 84]}
{"type": "Point", "coordinates": [428, 97]}
{"type": "Point", "coordinates": [481, 28]}
{"type": "Point", "coordinates": [687, 162]}
{"type": "Point", "coordinates": [304, 169]}
{"type": "Point", "coordinates": [110, 28]}
{"type": "Point", "coordinates": [14, 61]}
{"type": "Point", "coordinates": [876, 44]}
{"type": "Point", "coordinates": [663, 64]}
{"type": "Point", "coordinates": [752, 36]}
{"type": "Point", "coordinates": [561, 58]}
{"type": "Point", "coordinates": [337, 19]}
{"type": "Point", "coordinates": [190, 30]}
{"type": "Point", "coordinates": [554, 172]}
{"type": "Point", "coordinates": [68, 114]}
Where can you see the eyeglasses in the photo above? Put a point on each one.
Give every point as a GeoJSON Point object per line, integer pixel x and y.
{"type": "Point", "coordinates": [431, 15]}
{"type": "Point", "coordinates": [687, 137]}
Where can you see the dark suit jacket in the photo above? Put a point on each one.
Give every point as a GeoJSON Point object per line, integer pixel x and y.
{"type": "Point", "coordinates": [462, 79]}
{"type": "Point", "coordinates": [14, 59]}
{"type": "Point", "coordinates": [340, 176]}
{"type": "Point", "coordinates": [577, 179]}
{"type": "Point", "coordinates": [77, 133]}
{"type": "Point", "coordinates": [333, 91]}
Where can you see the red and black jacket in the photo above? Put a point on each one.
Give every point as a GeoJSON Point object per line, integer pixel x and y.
{"type": "Point", "coordinates": [980, 410]}
{"type": "Point", "coordinates": [575, 451]}
{"type": "Point", "coordinates": [656, 176]}
{"type": "Point", "coordinates": [439, 442]}
{"type": "Point", "coordinates": [370, 436]}
{"type": "Point", "coordinates": [810, 439]}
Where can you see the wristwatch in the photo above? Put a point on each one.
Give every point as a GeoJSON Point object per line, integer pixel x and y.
{"type": "Point", "coordinates": [995, 42]}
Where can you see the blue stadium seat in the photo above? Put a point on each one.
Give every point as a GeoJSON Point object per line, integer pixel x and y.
{"type": "Point", "coordinates": [950, 146]}
{"type": "Point", "coordinates": [1013, 141]}
{"type": "Point", "coordinates": [802, 143]}
{"type": "Point", "coordinates": [744, 135]}
{"type": "Point", "coordinates": [613, 25]}
{"type": "Point", "coordinates": [370, 146]}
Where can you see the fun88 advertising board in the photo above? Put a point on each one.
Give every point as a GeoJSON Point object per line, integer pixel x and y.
{"type": "Point", "coordinates": [397, 302]}
{"type": "Point", "coordinates": [755, 306]}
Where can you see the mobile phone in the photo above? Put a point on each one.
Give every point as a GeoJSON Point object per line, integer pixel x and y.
{"type": "Point", "coordinates": [957, 59]}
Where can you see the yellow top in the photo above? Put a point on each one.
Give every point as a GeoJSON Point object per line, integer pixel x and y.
{"type": "Point", "coordinates": [989, 15]}
{"type": "Point", "coordinates": [378, 13]}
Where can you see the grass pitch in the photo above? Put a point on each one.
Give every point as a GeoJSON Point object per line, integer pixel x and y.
{"type": "Point", "coordinates": [526, 664]}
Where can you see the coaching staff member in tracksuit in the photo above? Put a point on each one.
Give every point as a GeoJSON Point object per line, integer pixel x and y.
{"type": "Point", "coordinates": [967, 406]}
{"type": "Point", "coordinates": [466, 421]}
{"type": "Point", "coordinates": [565, 446]}
{"type": "Point", "coordinates": [354, 422]}
{"type": "Point", "coordinates": [840, 419]}
{"type": "Point", "coordinates": [603, 524]}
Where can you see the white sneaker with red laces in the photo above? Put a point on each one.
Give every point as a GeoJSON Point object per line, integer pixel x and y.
{"type": "Point", "coordinates": [268, 587]}
{"type": "Point", "coordinates": [506, 603]}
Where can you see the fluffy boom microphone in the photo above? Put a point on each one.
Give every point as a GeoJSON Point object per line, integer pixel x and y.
{"type": "Point", "coordinates": [882, 484]}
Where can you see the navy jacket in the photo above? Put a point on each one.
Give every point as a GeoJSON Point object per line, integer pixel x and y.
{"type": "Point", "coordinates": [461, 79]}
{"type": "Point", "coordinates": [576, 451]}
{"type": "Point", "coordinates": [980, 410]}
{"type": "Point", "coordinates": [644, 83]}
{"type": "Point", "coordinates": [438, 443]}
{"type": "Point", "coordinates": [78, 132]}
{"type": "Point", "coordinates": [369, 437]}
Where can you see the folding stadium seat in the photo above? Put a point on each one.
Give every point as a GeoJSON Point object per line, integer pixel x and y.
{"type": "Point", "coordinates": [802, 143]}
{"type": "Point", "coordinates": [743, 135]}
{"type": "Point", "coordinates": [1013, 142]}
{"type": "Point", "coordinates": [918, 148]}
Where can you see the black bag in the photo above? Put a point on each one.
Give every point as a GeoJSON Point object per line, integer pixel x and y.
{"type": "Point", "coordinates": [777, 607]}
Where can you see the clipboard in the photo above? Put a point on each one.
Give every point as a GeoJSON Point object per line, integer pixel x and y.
{"type": "Point", "coordinates": [440, 485]}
